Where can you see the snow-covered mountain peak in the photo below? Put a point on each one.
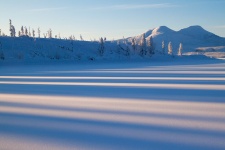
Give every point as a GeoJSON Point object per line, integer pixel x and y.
{"type": "Point", "coordinates": [161, 30]}
{"type": "Point", "coordinates": [195, 31]}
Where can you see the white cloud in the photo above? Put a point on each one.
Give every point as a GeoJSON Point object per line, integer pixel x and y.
{"type": "Point", "coordinates": [129, 6]}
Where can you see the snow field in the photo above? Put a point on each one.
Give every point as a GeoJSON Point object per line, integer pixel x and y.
{"type": "Point", "coordinates": [116, 106]}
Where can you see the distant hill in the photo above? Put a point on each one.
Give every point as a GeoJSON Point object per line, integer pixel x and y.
{"type": "Point", "coordinates": [192, 38]}
{"type": "Point", "coordinates": [195, 40]}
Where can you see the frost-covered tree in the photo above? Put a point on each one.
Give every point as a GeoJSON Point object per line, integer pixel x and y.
{"type": "Point", "coordinates": [59, 36]}
{"type": "Point", "coordinates": [81, 38]}
{"type": "Point", "coordinates": [33, 33]}
{"type": "Point", "coordinates": [0, 32]}
{"type": "Point", "coordinates": [127, 51]}
{"type": "Point", "coordinates": [19, 33]}
{"type": "Point", "coordinates": [133, 44]}
{"type": "Point", "coordinates": [29, 33]}
{"type": "Point", "coordinates": [150, 46]}
{"type": "Point", "coordinates": [45, 35]}
{"type": "Point", "coordinates": [22, 31]}
{"type": "Point", "coordinates": [12, 29]}
{"type": "Point", "coordinates": [170, 49]}
{"type": "Point", "coordinates": [143, 45]}
{"type": "Point", "coordinates": [180, 49]}
{"type": "Point", "coordinates": [50, 33]}
{"type": "Point", "coordinates": [118, 50]}
{"type": "Point", "coordinates": [101, 47]}
{"type": "Point", "coordinates": [26, 31]}
{"type": "Point", "coordinates": [39, 33]}
{"type": "Point", "coordinates": [163, 47]}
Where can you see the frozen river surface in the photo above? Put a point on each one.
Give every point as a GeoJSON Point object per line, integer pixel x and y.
{"type": "Point", "coordinates": [112, 106]}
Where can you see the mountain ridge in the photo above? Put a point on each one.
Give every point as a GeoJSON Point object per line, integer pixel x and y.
{"type": "Point", "coordinates": [192, 37]}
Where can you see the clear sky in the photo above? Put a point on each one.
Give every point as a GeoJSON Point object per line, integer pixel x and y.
{"type": "Point", "coordinates": [111, 18]}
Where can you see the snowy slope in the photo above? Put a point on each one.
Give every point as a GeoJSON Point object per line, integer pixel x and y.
{"type": "Point", "coordinates": [40, 49]}
{"type": "Point", "coordinates": [192, 38]}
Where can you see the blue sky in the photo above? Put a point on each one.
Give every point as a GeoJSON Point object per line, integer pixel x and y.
{"type": "Point", "coordinates": [111, 18]}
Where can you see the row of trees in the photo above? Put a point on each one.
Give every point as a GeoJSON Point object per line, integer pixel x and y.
{"type": "Point", "coordinates": [146, 46]}
{"type": "Point", "coordinates": [24, 31]}
{"type": "Point", "coordinates": [170, 49]}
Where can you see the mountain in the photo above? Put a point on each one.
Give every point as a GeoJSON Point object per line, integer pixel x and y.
{"type": "Point", "coordinates": [195, 40]}
{"type": "Point", "coordinates": [162, 30]}
{"type": "Point", "coordinates": [192, 38]}
{"type": "Point", "coordinates": [199, 33]}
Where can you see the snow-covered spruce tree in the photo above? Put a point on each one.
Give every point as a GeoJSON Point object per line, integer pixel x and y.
{"type": "Point", "coordinates": [59, 36]}
{"type": "Point", "coordinates": [12, 29]}
{"type": "Point", "coordinates": [150, 46]}
{"type": "Point", "coordinates": [118, 49]}
{"type": "Point", "coordinates": [29, 33]}
{"type": "Point", "coordinates": [22, 31]}
{"type": "Point", "coordinates": [170, 49]}
{"type": "Point", "coordinates": [26, 31]}
{"type": "Point", "coordinates": [0, 32]}
{"type": "Point", "coordinates": [143, 45]}
{"type": "Point", "coordinates": [33, 33]}
{"type": "Point", "coordinates": [180, 49]}
{"type": "Point", "coordinates": [101, 47]}
{"type": "Point", "coordinates": [39, 32]}
{"type": "Point", "coordinates": [50, 33]}
{"type": "Point", "coordinates": [127, 51]}
{"type": "Point", "coordinates": [163, 47]}
{"type": "Point", "coordinates": [81, 38]}
{"type": "Point", "coordinates": [133, 44]}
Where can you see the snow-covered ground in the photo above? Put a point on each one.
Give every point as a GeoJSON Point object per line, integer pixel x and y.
{"type": "Point", "coordinates": [154, 104]}
{"type": "Point", "coordinates": [195, 41]}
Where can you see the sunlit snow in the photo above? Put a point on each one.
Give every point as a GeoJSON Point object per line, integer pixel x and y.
{"type": "Point", "coordinates": [142, 105]}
